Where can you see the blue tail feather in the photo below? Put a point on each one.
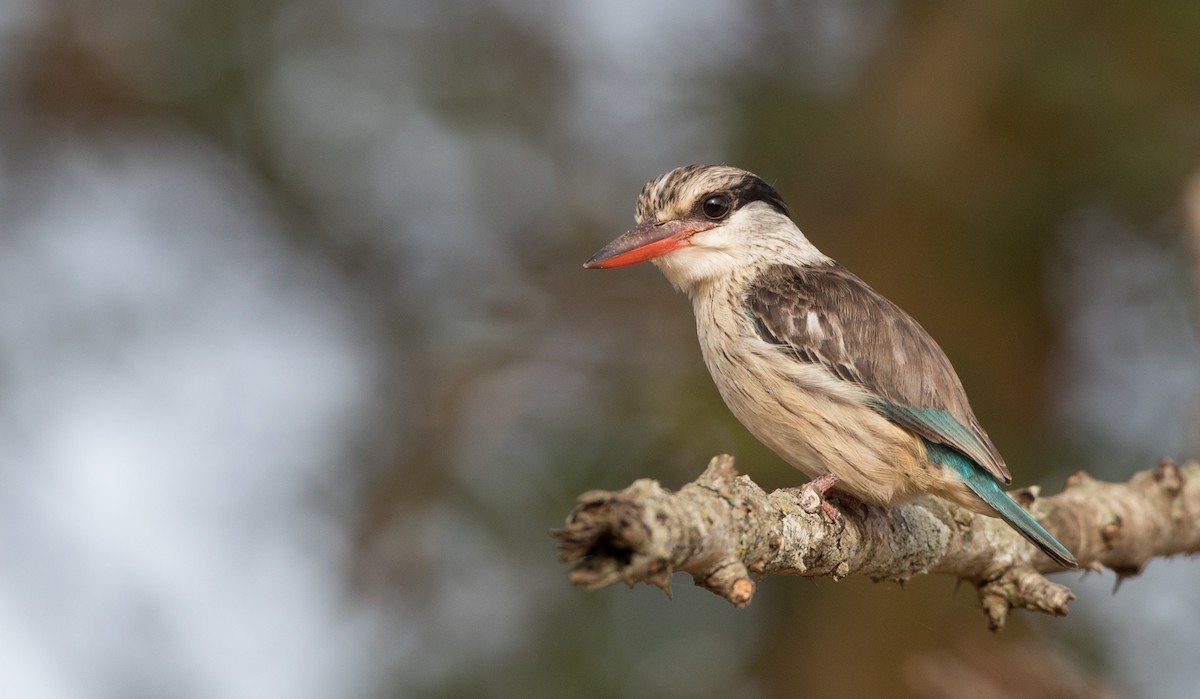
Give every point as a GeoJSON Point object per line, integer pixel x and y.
{"type": "Point", "coordinates": [987, 487]}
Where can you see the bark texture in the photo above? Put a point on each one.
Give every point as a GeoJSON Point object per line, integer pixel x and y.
{"type": "Point", "coordinates": [728, 533]}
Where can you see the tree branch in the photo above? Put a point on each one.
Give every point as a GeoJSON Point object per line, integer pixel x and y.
{"type": "Point", "coordinates": [727, 532]}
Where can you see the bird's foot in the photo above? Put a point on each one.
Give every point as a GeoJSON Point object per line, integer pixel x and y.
{"type": "Point", "coordinates": [812, 498]}
{"type": "Point", "coordinates": [832, 513]}
{"type": "Point", "coordinates": [860, 508]}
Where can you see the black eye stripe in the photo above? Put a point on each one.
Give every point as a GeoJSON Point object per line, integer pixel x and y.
{"type": "Point", "coordinates": [753, 188]}
{"type": "Point", "coordinates": [719, 204]}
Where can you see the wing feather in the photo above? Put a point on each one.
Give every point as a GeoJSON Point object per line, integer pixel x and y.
{"type": "Point", "coordinates": [828, 316]}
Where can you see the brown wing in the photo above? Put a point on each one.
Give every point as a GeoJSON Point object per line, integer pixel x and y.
{"type": "Point", "coordinates": [826, 315]}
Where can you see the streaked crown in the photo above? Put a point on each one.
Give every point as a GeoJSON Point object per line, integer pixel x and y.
{"type": "Point", "coordinates": [679, 192]}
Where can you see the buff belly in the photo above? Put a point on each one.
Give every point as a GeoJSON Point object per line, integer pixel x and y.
{"type": "Point", "coordinates": [820, 424]}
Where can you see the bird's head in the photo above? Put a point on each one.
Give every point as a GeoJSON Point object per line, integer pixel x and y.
{"type": "Point", "coordinates": [701, 222]}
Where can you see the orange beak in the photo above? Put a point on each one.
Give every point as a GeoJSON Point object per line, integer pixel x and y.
{"type": "Point", "coordinates": [647, 241]}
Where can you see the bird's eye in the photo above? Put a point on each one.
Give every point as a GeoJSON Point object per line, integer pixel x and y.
{"type": "Point", "coordinates": [716, 207]}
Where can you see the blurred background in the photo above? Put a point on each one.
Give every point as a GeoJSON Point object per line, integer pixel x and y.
{"type": "Point", "coordinates": [299, 365]}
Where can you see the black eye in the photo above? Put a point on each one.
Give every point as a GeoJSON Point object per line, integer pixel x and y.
{"type": "Point", "coordinates": [716, 207]}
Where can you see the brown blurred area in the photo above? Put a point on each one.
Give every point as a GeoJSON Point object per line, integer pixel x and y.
{"type": "Point", "coordinates": [451, 164]}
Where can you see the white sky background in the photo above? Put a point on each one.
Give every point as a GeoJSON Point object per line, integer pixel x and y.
{"type": "Point", "coordinates": [176, 379]}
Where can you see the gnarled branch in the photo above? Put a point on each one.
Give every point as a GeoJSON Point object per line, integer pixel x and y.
{"type": "Point", "coordinates": [727, 532]}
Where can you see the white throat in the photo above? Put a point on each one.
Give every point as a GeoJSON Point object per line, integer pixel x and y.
{"type": "Point", "coordinates": [754, 238]}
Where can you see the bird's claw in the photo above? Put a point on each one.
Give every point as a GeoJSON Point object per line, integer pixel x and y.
{"type": "Point", "coordinates": [834, 516]}
{"type": "Point", "coordinates": [812, 498]}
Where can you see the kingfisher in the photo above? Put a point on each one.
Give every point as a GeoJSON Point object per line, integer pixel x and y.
{"type": "Point", "coordinates": [821, 368]}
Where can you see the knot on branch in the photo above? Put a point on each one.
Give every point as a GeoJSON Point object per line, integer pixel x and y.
{"type": "Point", "coordinates": [645, 533]}
{"type": "Point", "coordinates": [1023, 587]}
{"type": "Point", "coordinates": [612, 537]}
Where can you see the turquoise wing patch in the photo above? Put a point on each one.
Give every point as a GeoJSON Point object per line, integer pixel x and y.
{"type": "Point", "coordinates": [937, 426]}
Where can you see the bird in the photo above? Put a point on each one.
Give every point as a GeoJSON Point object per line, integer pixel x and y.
{"type": "Point", "coordinates": [825, 371]}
